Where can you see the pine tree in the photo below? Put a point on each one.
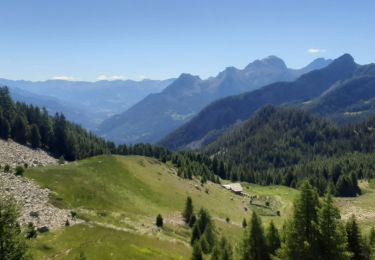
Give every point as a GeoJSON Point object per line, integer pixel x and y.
{"type": "Point", "coordinates": [354, 182]}
{"type": "Point", "coordinates": [222, 251]}
{"type": "Point", "coordinates": [34, 136]}
{"type": "Point", "coordinates": [355, 242]}
{"type": "Point", "coordinates": [209, 235]}
{"type": "Point", "coordinates": [244, 223]}
{"type": "Point", "coordinates": [254, 243]}
{"type": "Point", "coordinates": [204, 245]}
{"type": "Point", "coordinates": [204, 219]}
{"type": "Point", "coordinates": [273, 238]}
{"type": "Point", "coordinates": [192, 220]}
{"type": "Point", "coordinates": [196, 234]}
{"type": "Point", "coordinates": [333, 239]}
{"type": "Point", "coordinates": [197, 252]}
{"type": "Point", "coordinates": [222, 172]}
{"type": "Point", "coordinates": [6, 103]}
{"type": "Point", "coordinates": [12, 241]}
{"type": "Point", "coordinates": [204, 227]}
{"type": "Point", "coordinates": [20, 130]}
{"type": "Point", "coordinates": [159, 221]}
{"type": "Point", "coordinates": [188, 211]}
{"type": "Point", "coordinates": [216, 253]}
{"type": "Point", "coordinates": [4, 127]}
{"type": "Point", "coordinates": [302, 234]}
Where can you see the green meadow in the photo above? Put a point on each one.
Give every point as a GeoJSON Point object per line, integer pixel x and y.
{"type": "Point", "coordinates": [120, 196]}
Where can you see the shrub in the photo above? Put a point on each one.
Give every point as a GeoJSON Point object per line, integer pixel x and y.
{"type": "Point", "coordinates": [31, 231]}
{"type": "Point", "coordinates": [73, 214]}
{"type": "Point", "coordinates": [7, 168]}
{"type": "Point", "coordinates": [19, 170]}
{"type": "Point", "coordinates": [61, 160]}
{"type": "Point", "coordinates": [159, 221]}
{"type": "Point", "coordinates": [244, 223]}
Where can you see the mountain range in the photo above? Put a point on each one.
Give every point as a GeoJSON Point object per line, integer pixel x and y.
{"type": "Point", "coordinates": [347, 101]}
{"type": "Point", "coordinates": [225, 113]}
{"type": "Point", "coordinates": [157, 115]}
{"type": "Point", "coordinates": [85, 103]}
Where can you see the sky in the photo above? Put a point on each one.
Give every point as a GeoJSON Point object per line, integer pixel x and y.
{"type": "Point", "coordinates": [158, 39]}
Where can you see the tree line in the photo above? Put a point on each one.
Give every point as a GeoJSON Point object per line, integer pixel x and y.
{"type": "Point", "coordinates": [278, 146]}
{"type": "Point", "coordinates": [285, 145]}
{"type": "Point", "coordinates": [33, 126]}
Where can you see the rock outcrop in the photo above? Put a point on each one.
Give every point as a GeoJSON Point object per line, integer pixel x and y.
{"type": "Point", "coordinates": [33, 203]}
{"type": "Point", "coordinates": [31, 199]}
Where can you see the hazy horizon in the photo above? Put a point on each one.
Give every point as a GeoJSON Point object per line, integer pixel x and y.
{"type": "Point", "coordinates": [96, 40]}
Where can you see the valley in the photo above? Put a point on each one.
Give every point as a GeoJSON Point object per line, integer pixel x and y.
{"type": "Point", "coordinates": [187, 130]}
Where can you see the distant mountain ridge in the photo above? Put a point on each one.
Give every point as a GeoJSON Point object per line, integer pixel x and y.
{"type": "Point", "coordinates": [214, 119]}
{"type": "Point", "coordinates": [159, 114]}
{"type": "Point", "coordinates": [85, 103]}
{"type": "Point", "coordinates": [347, 101]}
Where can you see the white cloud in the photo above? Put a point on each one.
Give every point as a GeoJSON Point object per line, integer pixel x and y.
{"type": "Point", "coordinates": [113, 77]}
{"type": "Point", "coordinates": [68, 78]}
{"type": "Point", "coordinates": [316, 51]}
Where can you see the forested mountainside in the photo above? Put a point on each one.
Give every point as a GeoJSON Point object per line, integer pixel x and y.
{"type": "Point", "coordinates": [159, 114]}
{"type": "Point", "coordinates": [261, 150]}
{"type": "Point", "coordinates": [84, 103]}
{"type": "Point", "coordinates": [214, 119]}
{"type": "Point", "coordinates": [348, 101]}
{"type": "Point", "coordinates": [34, 127]}
{"type": "Point", "coordinates": [27, 124]}
{"type": "Point", "coordinates": [285, 145]}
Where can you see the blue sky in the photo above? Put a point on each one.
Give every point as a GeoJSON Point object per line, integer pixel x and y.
{"type": "Point", "coordinates": [91, 39]}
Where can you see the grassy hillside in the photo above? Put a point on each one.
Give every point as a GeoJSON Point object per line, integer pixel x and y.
{"type": "Point", "coordinates": [120, 198]}
{"type": "Point", "coordinates": [362, 206]}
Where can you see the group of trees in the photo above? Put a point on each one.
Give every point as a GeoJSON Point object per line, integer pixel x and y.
{"type": "Point", "coordinates": [314, 231]}
{"type": "Point", "coordinates": [30, 125]}
{"type": "Point", "coordinates": [13, 244]}
{"type": "Point", "coordinates": [285, 146]}
{"type": "Point", "coordinates": [204, 238]}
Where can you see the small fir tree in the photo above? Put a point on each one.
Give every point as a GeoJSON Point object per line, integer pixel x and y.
{"type": "Point", "coordinates": [188, 211]}
{"type": "Point", "coordinates": [273, 238]}
{"type": "Point", "coordinates": [159, 221]}
{"type": "Point", "coordinates": [254, 243]}
{"type": "Point", "coordinates": [197, 252]}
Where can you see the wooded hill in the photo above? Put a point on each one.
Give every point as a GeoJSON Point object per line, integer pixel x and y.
{"type": "Point", "coordinates": [285, 145]}
{"type": "Point", "coordinates": [30, 125]}
{"type": "Point", "coordinates": [342, 92]}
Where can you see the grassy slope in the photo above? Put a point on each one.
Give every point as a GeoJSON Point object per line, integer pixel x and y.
{"type": "Point", "coordinates": [362, 206]}
{"type": "Point", "coordinates": [124, 194]}
{"type": "Point", "coordinates": [104, 243]}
